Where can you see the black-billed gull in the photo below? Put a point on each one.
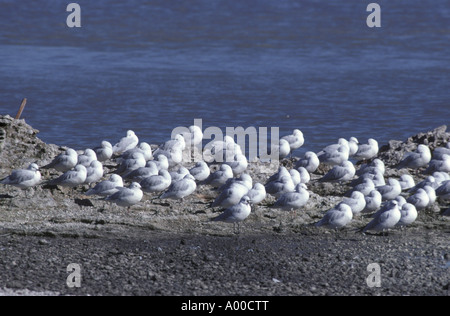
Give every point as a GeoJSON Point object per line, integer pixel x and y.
{"type": "Point", "coordinates": [367, 151]}
{"type": "Point", "coordinates": [157, 183]}
{"type": "Point", "coordinates": [127, 197]}
{"type": "Point", "coordinates": [357, 202]}
{"type": "Point", "coordinates": [104, 152]}
{"type": "Point", "coordinates": [220, 177]}
{"type": "Point", "coordinates": [391, 190]}
{"type": "Point", "coordinates": [342, 172]}
{"type": "Point", "coordinates": [181, 188]}
{"type": "Point", "coordinates": [310, 162]}
{"type": "Point", "coordinates": [295, 140]}
{"type": "Point", "coordinates": [87, 157]}
{"type": "Point", "coordinates": [336, 218]}
{"type": "Point", "coordinates": [257, 194]}
{"type": "Point", "coordinates": [107, 187]}
{"type": "Point", "coordinates": [408, 215]}
{"type": "Point", "coordinates": [418, 159]}
{"type": "Point", "coordinates": [420, 199]}
{"type": "Point", "coordinates": [200, 171]}
{"type": "Point", "coordinates": [94, 172]}
{"type": "Point", "coordinates": [373, 202]}
{"type": "Point", "coordinates": [235, 214]}
{"type": "Point", "coordinates": [293, 200]}
{"type": "Point", "coordinates": [71, 178]}
{"type": "Point", "coordinates": [386, 220]}
{"type": "Point", "coordinates": [335, 154]}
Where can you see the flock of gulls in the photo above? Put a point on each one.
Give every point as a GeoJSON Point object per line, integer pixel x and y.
{"type": "Point", "coordinates": [393, 202]}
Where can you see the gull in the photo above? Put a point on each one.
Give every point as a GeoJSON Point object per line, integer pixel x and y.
{"type": "Point", "coordinates": [335, 154]}
{"type": "Point", "coordinates": [336, 218]}
{"type": "Point", "coordinates": [181, 188]}
{"type": "Point", "coordinates": [127, 197]}
{"type": "Point", "coordinates": [365, 188]}
{"type": "Point", "coordinates": [128, 165]}
{"type": "Point", "coordinates": [107, 187]}
{"type": "Point", "coordinates": [24, 178]}
{"type": "Point", "coordinates": [293, 200]}
{"type": "Point", "coordinates": [174, 156]}
{"type": "Point", "coordinates": [304, 175]}
{"type": "Point", "coordinates": [162, 163]}
{"type": "Point", "coordinates": [408, 215]}
{"type": "Point", "coordinates": [430, 180]}
{"type": "Point", "coordinates": [442, 165]}
{"type": "Point", "coordinates": [390, 191]}
{"type": "Point", "coordinates": [257, 194]}
{"type": "Point", "coordinates": [386, 220]}
{"type": "Point", "coordinates": [373, 202]}
{"type": "Point", "coordinates": [295, 140]}
{"type": "Point", "coordinates": [342, 172]}
{"type": "Point", "coordinates": [179, 175]}
{"type": "Point", "coordinates": [104, 152]}
{"type": "Point", "coordinates": [431, 194]}
{"type": "Point", "coordinates": [87, 157]}
{"type": "Point", "coordinates": [231, 195]}
{"type": "Point", "coordinates": [282, 172]}
{"type": "Point", "coordinates": [143, 148]}
{"type": "Point", "coordinates": [406, 182]}
{"type": "Point", "coordinates": [441, 151]}
{"type": "Point", "coordinates": [157, 183]}
{"type": "Point", "coordinates": [295, 176]}
{"type": "Point", "coordinates": [284, 149]}
{"type": "Point", "coordinates": [175, 144]}
{"type": "Point", "coordinates": [440, 177]}
{"type": "Point", "coordinates": [238, 164]}
{"type": "Point", "coordinates": [279, 187]}
{"type": "Point", "coordinates": [128, 142]}
{"type": "Point", "coordinates": [200, 171]}
{"type": "Point", "coordinates": [71, 178]}
{"type": "Point", "coordinates": [245, 179]}
{"type": "Point", "coordinates": [194, 137]}
{"type": "Point", "coordinates": [310, 162]}
{"type": "Point", "coordinates": [376, 166]}
{"type": "Point", "coordinates": [353, 146]}
{"type": "Point", "coordinates": [377, 178]}
{"type": "Point", "coordinates": [235, 214]}
{"type": "Point", "coordinates": [220, 177]}
{"type": "Point", "coordinates": [400, 200]}
{"type": "Point", "coordinates": [357, 202]}
{"type": "Point", "coordinates": [443, 191]}
{"type": "Point", "coordinates": [141, 173]}
{"type": "Point", "coordinates": [64, 161]}
{"type": "Point", "coordinates": [94, 172]}
{"type": "Point", "coordinates": [367, 151]}
{"type": "Point", "coordinates": [420, 199]}
{"type": "Point", "coordinates": [415, 160]}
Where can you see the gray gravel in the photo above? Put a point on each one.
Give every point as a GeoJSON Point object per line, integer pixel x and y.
{"type": "Point", "coordinates": [171, 248]}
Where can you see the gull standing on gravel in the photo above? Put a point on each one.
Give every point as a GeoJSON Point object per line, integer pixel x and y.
{"type": "Point", "coordinates": [406, 182]}
{"type": "Point", "coordinates": [335, 154]}
{"type": "Point", "coordinates": [104, 152]}
{"type": "Point", "coordinates": [157, 183]}
{"type": "Point", "coordinates": [408, 215]}
{"type": "Point", "coordinates": [293, 200]}
{"type": "Point", "coordinates": [414, 160]}
{"type": "Point", "coordinates": [107, 187]}
{"type": "Point", "coordinates": [200, 171]}
{"type": "Point", "coordinates": [420, 200]}
{"type": "Point", "coordinates": [24, 178]}
{"type": "Point", "coordinates": [357, 202]}
{"type": "Point", "coordinates": [391, 190]}
{"type": "Point", "coordinates": [310, 162]}
{"type": "Point", "coordinates": [64, 161]}
{"type": "Point", "coordinates": [365, 188]}
{"type": "Point", "coordinates": [94, 172]}
{"type": "Point", "coordinates": [231, 195]}
{"type": "Point", "coordinates": [431, 194]}
{"type": "Point", "coordinates": [367, 151]}
{"type": "Point", "coordinates": [162, 163]}
{"type": "Point", "coordinates": [143, 148]}
{"type": "Point", "coordinates": [87, 157]}
{"type": "Point", "coordinates": [71, 178]}
{"type": "Point", "coordinates": [373, 202]}
{"type": "Point", "coordinates": [343, 172]}
{"type": "Point", "coordinates": [130, 164]}
{"type": "Point", "coordinates": [336, 218]}
{"type": "Point", "coordinates": [127, 197]}
{"type": "Point", "coordinates": [181, 188]}
{"type": "Point", "coordinates": [386, 220]}
{"type": "Point", "coordinates": [235, 214]}
{"type": "Point", "coordinates": [220, 177]}
{"type": "Point", "coordinates": [179, 175]}
{"type": "Point", "coordinates": [295, 140]}
{"type": "Point", "coordinates": [126, 143]}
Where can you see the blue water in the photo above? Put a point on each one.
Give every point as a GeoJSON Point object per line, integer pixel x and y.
{"type": "Point", "coordinates": [151, 66]}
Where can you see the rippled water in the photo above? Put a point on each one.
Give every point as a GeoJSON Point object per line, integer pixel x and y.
{"type": "Point", "coordinates": [151, 66]}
